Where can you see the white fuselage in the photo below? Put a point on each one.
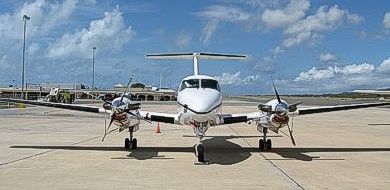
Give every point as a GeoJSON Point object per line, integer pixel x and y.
{"type": "Point", "coordinates": [199, 100]}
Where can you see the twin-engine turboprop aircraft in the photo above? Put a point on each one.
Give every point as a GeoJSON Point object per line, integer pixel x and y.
{"type": "Point", "coordinates": [200, 101]}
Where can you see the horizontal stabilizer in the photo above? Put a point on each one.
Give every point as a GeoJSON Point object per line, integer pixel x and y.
{"type": "Point", "coordinates": [213, 56]}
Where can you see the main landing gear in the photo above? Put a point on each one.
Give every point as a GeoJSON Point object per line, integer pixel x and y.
{"type": "Point", "coordinates": [265, 144]}
{"type": "Point", "coordinates": [131, 143]}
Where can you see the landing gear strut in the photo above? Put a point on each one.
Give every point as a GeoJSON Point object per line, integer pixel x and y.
{"type": "Point", "coordinates": [131, 143]}
{"type": "Point", "coordinates": [200, 130]}
{"type": "Point", "coordinates": [265, 143]}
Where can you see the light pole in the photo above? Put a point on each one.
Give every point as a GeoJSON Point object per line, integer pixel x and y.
{"type": "Point", "coordinates": [75, 79]}
{"type": "Point", "coordinates": [93, 70]}
{"type": "Point", "coordinates": [13, 93]}
{"type": "Point", "coordinates": [25, 19]}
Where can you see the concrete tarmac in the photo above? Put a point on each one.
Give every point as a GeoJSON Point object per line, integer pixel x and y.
{"type": "Point", "coordinates": [47, 148]}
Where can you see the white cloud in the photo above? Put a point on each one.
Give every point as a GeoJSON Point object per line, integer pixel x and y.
{"type": "Point", "coordinates": [316, 74]}
{"type": "Point", "coordinates": [223, 13]}
{"type": "Point", "coordinates": [298, 28]}
{"type": "Point", "coordinates": [208, 31]}
{"type": "Point", "coordinates": [324, 19]}
{"type": "Point", "coordinates": [354, 18]}
{"type": "Point", "coordinates": [386, 20]}
{"type": "Point", "coordinates": [44, 17]}
{"type": "Point", "coordinates": [330, 72]}
{"type": "Point", "coordinates": [354, 69]}
{"type": "Point", "coordinates": [293, 12]}
{"type": "Point", "coordinates": [108, 33]}
{"type": "Point", "coordinates": [183, 39]}
{"type": "Point", "coordinates": [267, 64]}
{"type": "Point", "coordinates": [236, 79]}
{"type": "Point", "coordinates": [326, 57]}
{"type": "Point", "coordinates": [384, 67]}
{"type": "Point", "coordinates": [216, 14]}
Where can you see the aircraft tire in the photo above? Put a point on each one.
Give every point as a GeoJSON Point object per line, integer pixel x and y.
{"type": "Point", "coordinates": [269, 144]}
{"type": "Point", "coordinates": [261, 144]}
{"type": "Point", "coordinates": [134, 144]}
{"type": "Point", "coordinates": [200, 151]}
{"type": "Point", "coordinates": [127, 143]}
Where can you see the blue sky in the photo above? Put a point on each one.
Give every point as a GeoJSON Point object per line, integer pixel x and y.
{"type": "Point", "coordinates": [306, 46]}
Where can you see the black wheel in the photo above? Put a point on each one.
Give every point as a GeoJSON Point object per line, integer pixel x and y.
{"type": "Point", "coordinates": [134, 144]}
{"type": "Point", "coordinates": [269, 144]}
{"type": "Point", "coordinates": [261, 144]}
{"type": "Point", "coordinates": [200, 152]}
{"type": "Point", "coordinates": [127, 143]}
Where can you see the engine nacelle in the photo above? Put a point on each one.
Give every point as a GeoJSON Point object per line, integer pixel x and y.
{"type": "Point", "coordinates": [121, 119]}
{"type": "Point", "coordinates": [278, 120]}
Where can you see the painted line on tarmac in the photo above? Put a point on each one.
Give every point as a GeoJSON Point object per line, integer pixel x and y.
{"type": "Point", "coordinates": [270, 161]}
{"type": "Point", "coordinates": [42, 153]}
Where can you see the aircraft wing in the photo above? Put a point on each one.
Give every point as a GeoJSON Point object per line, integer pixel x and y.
{"type": "Point", "coordinates": [75, 107]}
{"type": "Point", "coordinates": [380, 92]}
{"type": "Point", "coordinates": [160, 117]}
{"type": "Point", "coordinates": [245, 117]}
{"type": "Point", "coordinates": [304, 111]}
{"type": "Point", "coordinates": [240, 118]}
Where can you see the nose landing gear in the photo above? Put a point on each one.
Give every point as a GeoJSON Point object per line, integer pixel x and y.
{"type": "Point", "coordinates": [131, 143]}
{"type": "Point", "coordinates": [200, 130]}
{"type": "Point", "coordinates": [265, 144]}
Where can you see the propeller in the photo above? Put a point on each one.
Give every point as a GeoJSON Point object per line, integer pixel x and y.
{"type": "Point", "coordinates": [291, 108]}
{"type": "Point", "coordinates": [127, 87]}
{"type": "Point", "coordinates": [276, 92]}
{"type": "Point", "coordinates": [109, 106]}
{"type": "Point", "coordinates": [291, 135]}
{"type": "Point", "coordinates": [106, 130]}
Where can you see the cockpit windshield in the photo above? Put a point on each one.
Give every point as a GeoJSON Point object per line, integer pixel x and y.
{"type": "Point", "coordinates": [190, 83]}
{"type": "Point", "coordinates": [204, 83]}
{"type": "Point", "coordinates": [209, 83]}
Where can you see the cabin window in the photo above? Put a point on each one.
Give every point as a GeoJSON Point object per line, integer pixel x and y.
{"type": "Point", "coordinates": [191, 83]}
{"type": "Point", "coordinates": [209, 83]}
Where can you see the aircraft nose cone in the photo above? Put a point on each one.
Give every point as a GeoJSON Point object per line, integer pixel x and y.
{"type": "Point", "coordinates": [200, 105]}
{"type": "Point", "coordinates": [201, 101]}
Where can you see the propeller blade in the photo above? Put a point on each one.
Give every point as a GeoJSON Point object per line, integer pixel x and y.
{"type": "Point", "coordinates": [127, 87]}
{"type": "Point", "coordinates": [291, 135]}
{"type": "Point", "coordinates": [292, 123]}
{"type": "Point", "coordinates": [109, 126]}
{"type": "Point", "coordinates": [276, 92]}
{"type": "Point", "coordinates": [105, 127]}
{"type": "Point", "coordinates": [112, 120]}
{"type": "Point", "coordinates": [138, 117]}
{"type": "Point", "coordinates": [296, 104]}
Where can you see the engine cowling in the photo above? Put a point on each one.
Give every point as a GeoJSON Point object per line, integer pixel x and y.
{"type": "Point", "coordinates": [121, 119]}
{"type": "Point", "coordinates": [279, 120]}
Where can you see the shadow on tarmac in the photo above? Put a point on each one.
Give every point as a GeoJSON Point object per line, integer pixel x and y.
{"type": "Point", "coordinates": [218, 151]}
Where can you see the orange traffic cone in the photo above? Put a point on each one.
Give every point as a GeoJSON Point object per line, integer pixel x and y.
{"type": "Point", "coordinates": [158, 128]}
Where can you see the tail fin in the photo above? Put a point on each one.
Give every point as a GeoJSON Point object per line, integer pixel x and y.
{"type": "Point", "coordinates": [195, 57]}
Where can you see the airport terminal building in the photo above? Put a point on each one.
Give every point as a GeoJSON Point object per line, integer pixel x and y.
{"type": "Point", "coordinates": [36, 91]}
